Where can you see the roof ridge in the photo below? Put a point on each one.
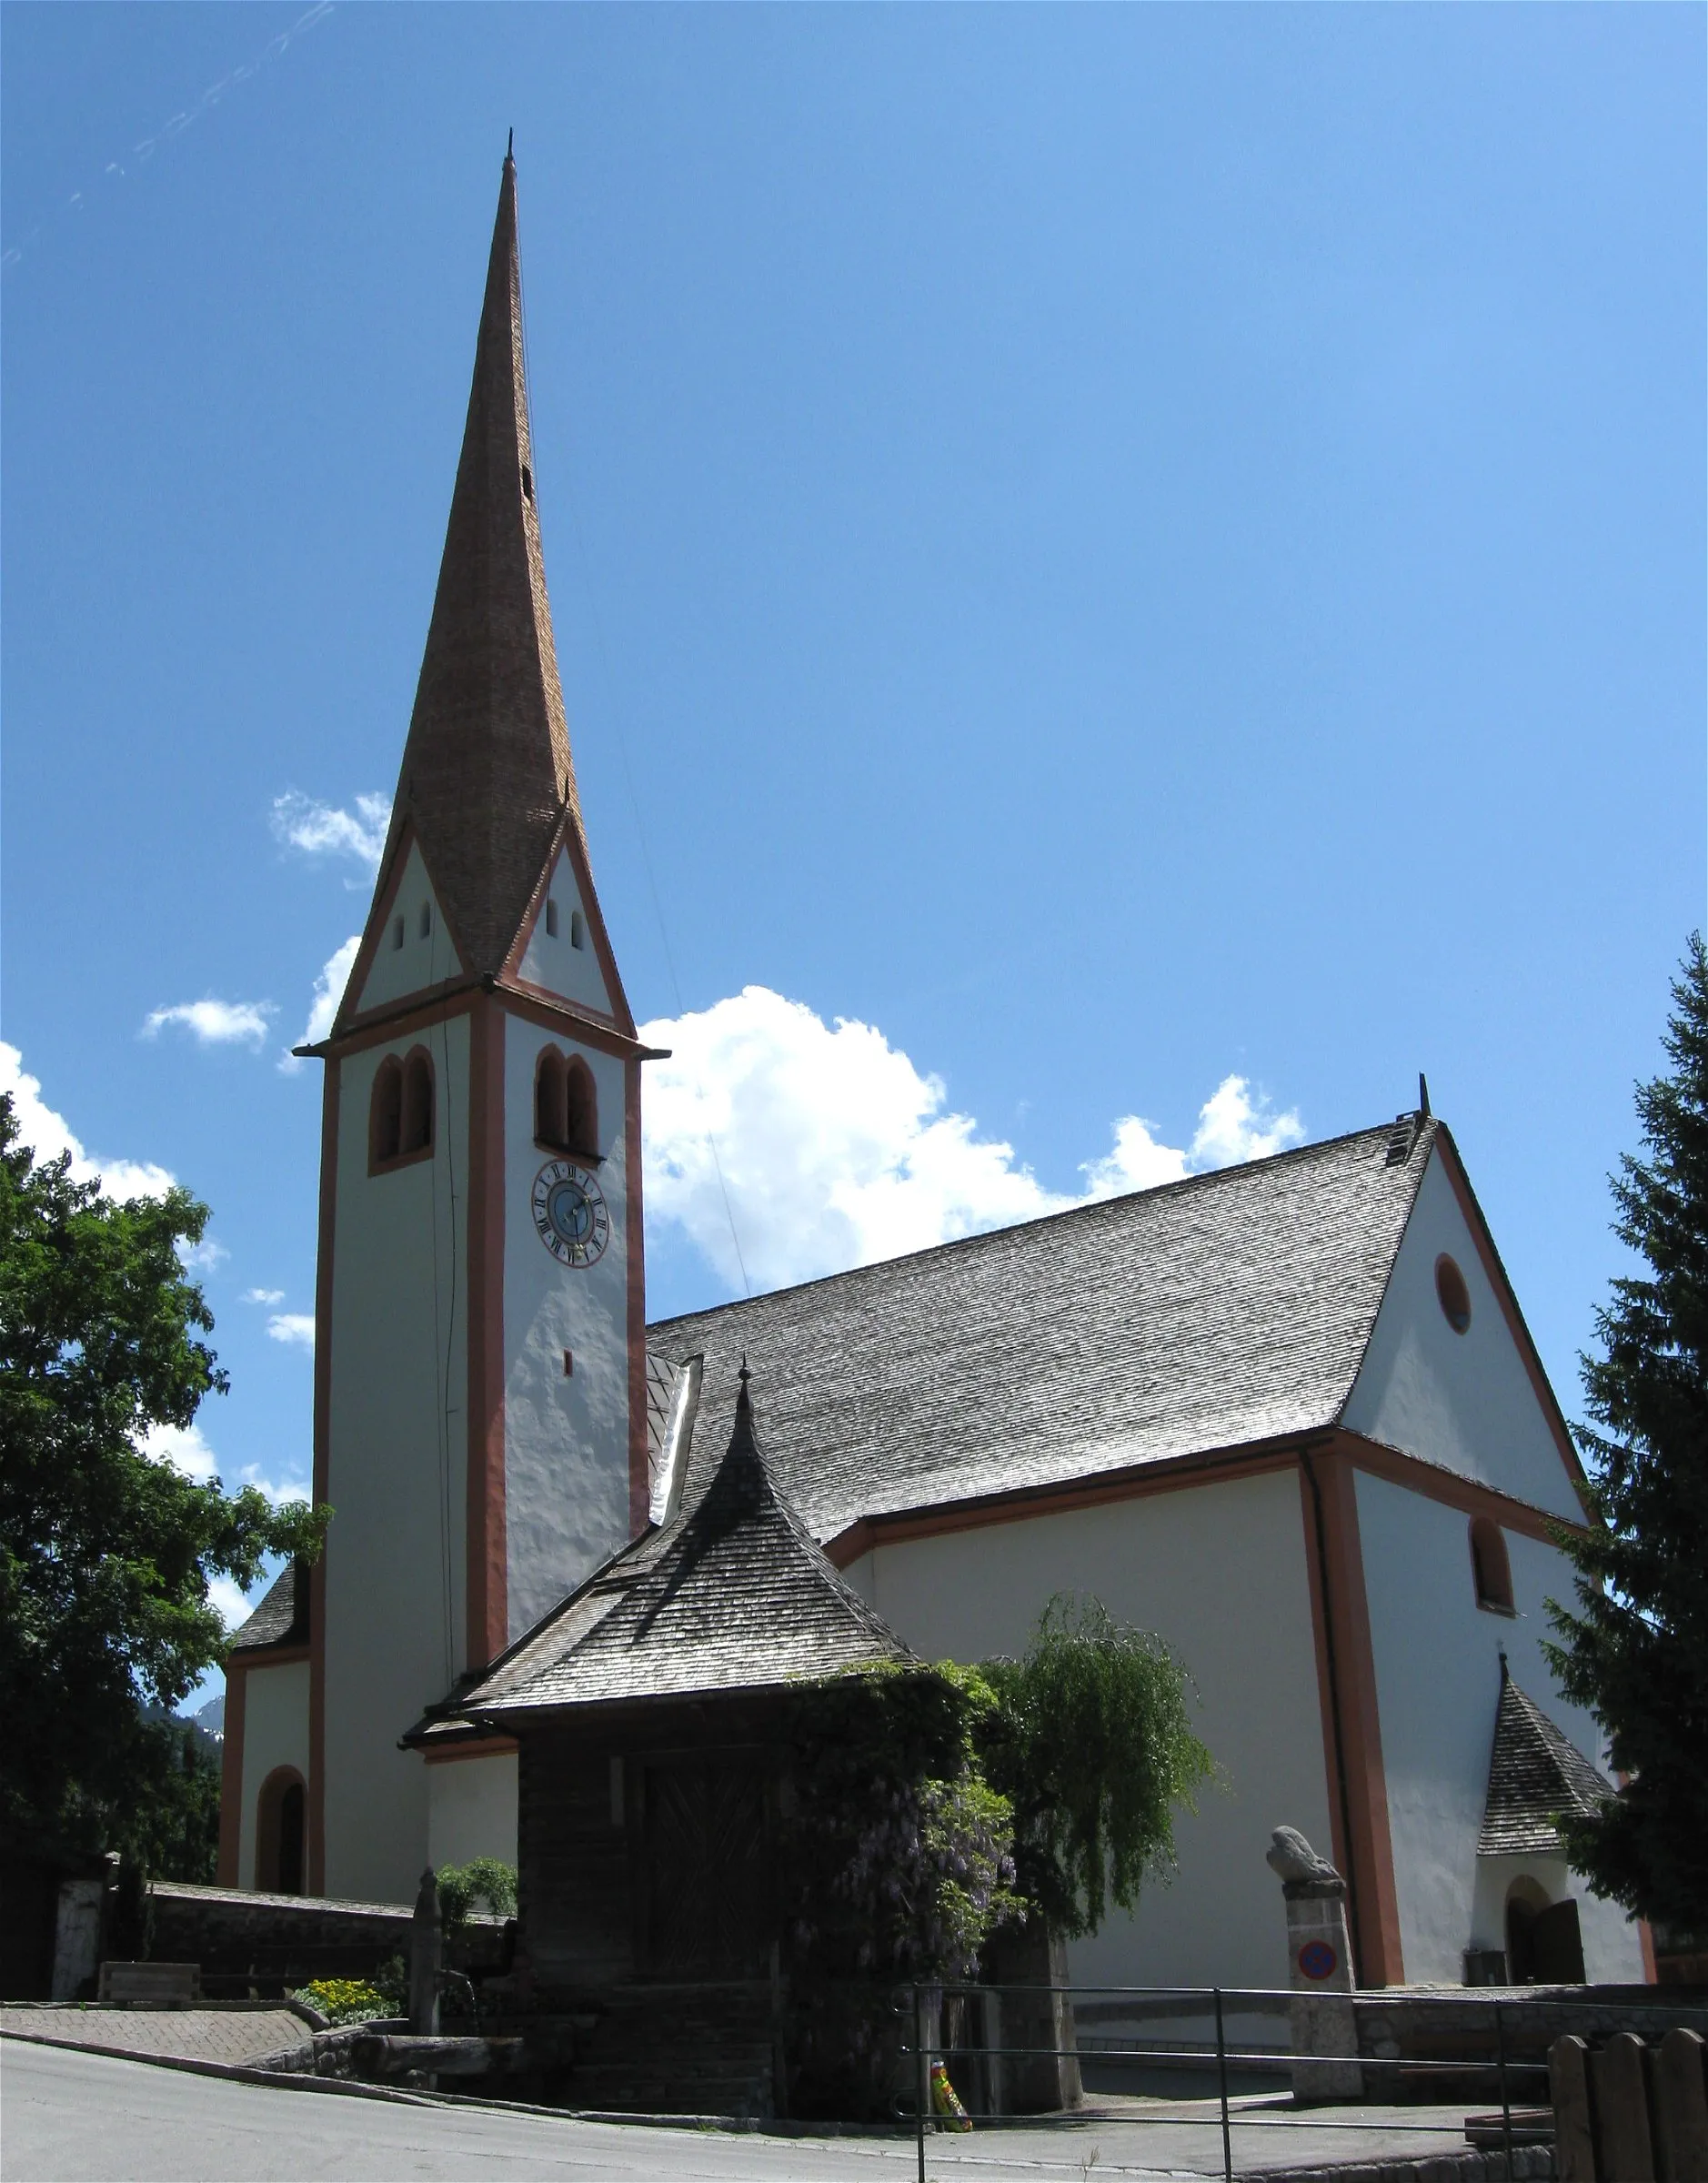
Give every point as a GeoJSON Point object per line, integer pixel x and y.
{"type": "Point", "coordinates": [1085, 1211]}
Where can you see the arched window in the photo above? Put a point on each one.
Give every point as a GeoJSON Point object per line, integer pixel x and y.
{"type": "Point", "coordinates": [551, 1103]}
{"type": "Point", "coordinates": [384, 1114]}
{"type": "Point", "coordinates": [400, 1114]}
{"type": "Point", "coordinates": [1489, 1566]}
{"type": "Point", "coordinates": [565, 1105]}
{"type": "Point", "coordinates": [281, 1833]}
{"type": "Point", "coordinates": [418, 1103]}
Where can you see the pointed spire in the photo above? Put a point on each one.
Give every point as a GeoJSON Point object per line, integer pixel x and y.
{"type": "Point", "coordinates": [486, 771]}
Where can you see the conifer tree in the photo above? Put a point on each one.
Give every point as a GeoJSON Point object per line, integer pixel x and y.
{"type": "Point", "coordinates": [1635, 1649]}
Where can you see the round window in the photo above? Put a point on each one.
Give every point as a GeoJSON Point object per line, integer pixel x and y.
{"type": "Point", "coordinates": [1450, 1286]}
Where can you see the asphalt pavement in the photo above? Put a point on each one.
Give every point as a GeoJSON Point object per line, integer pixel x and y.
{"type": "Point", "coordinates": [68, 2116]}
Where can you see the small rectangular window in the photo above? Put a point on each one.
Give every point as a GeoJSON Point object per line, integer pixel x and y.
{"type": "Point", "coordinates": [397, 931]}
{"type": "Point", "coordinates": [577, 931]}
{"type": "Point", "coordinates": [551, 918]}
{"type": "Point", "coordinates": [427, 919]}
{"type": "Point", "coordinates": [568, 1365]}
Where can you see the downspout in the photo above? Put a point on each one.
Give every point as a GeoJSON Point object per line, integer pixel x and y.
{"type": "Point", "coordinates": [1334, 1708]}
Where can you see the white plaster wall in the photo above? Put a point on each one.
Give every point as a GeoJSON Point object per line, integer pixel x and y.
{"type": "Point", "coordinates": [566, 1438]}
{"type": "Point", "coordinates": [397, 1445]}
{"type": "Point", "coordinates": [1438, 1682]}
{"type": "Point", "coordinates": [1220, 1572]}
{"type": "Point", "coordinates": [552, 960]}
{"type": "Point", "coordinates": [275, 1733]}
{"type": "Point", "coordinates": [1464, 1401]}
{"type": "Point", "coordinates": [396, 972]}
{"type": "Point", "coordinates": [471, 1809]}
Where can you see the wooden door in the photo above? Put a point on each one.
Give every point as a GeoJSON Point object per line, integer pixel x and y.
{"type": "Point", "coordinates": [707, 1904]}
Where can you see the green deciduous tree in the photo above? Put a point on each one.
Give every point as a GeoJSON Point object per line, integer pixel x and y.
{"type": "Point", "coordinates": [107, 1552]}
{"type": "Point", "coordinates": [1634, 1647]}
{"type": "Point", "coordinates": [1092, 1742]}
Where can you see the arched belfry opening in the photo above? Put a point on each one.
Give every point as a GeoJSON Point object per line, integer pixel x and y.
{"type": "Point", "coordinates": [400, 1110]}
{"type": "Point", "coordinates": [565, 1105]}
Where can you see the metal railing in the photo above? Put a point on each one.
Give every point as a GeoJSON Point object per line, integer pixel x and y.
{"type": "Point", "coordinates": [922, 2008]}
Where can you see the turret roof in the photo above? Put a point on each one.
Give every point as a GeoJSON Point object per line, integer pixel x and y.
{"type": "Point", "coordinates": [1535, 1773]}
{"type": "Point", "coordinates": [732, 1596]}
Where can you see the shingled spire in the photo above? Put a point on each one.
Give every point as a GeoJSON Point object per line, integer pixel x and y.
{"type": "Point", "coordinates": [487, 773]}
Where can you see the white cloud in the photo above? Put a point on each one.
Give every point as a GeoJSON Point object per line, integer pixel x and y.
{"type": "Point", "coordinates": [49, 1134]}
{"type": "Point", "coordinates": [295, 1328]}
{"type": "Point", "coordinates": [324, 829]}
{"type": "Point", "coordinates": [275, 1490]}
{"type": "Point", "coordinates": [226, 1595]}
{"type": "Point", "coordinates": [836, 1151]}
{"type": "Point", "coordinates": [186, 1448]}
{"type": "Point", "coordinates": [328, 991]}
{"type": "Point", "coordinates": [1233, 1127]}
{"type": "Point", "coordinates": [214, 1022]}
{"type": "Point", "coordinates": [264, 1296]}
{"type": "Point", "coordinates": [203, 1257]}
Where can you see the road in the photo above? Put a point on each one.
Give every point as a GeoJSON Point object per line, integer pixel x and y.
{"type": "Point", "coordinates": [73, 2118]}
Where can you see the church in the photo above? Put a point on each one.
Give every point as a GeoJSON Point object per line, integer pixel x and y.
{"type": "Point", "coordinates": [1287, 1415]}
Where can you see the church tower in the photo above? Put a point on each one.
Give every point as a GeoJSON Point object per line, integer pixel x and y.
{"type": "Point", "coordinates": [480, 1365]}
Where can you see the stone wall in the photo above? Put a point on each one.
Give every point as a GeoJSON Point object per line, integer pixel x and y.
{"type": "Point", "coordinates": [241, 1938]}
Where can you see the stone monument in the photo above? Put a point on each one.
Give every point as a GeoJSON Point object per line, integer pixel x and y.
{"type": "Point", "coordinates": [1320, 1971]}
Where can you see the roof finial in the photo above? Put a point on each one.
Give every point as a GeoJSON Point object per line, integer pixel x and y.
{"type": "Point", "coordinates": [1423, 1095]}
{"type": "Point", "coordinates": [742, 1374]}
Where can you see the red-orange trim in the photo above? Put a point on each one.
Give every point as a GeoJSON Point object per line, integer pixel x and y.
{"type": "Point", "coordinates": [1380, 1962]}
{"type": "Point", "coordinates": [231, 1776]}
{"type": "Point", "coordinates": [640, 1481]}
{"type": "Point", "coordinates": [480, 1746]}
{"type": "Point", "coordinates": [1333, 1753]}
{"type": "Point", "coordinates": [323, 1424]}
{"type": "Point", "coordinates": [439, 1003]}
{"type": "Point", "coordinates": [1454, 1169]}
{"type": "Point", "coordinates": [487, 1570]}
{"type": "Point", "coordinates": [257, 1656]}
{"type": "Point", "coordinates": [1171, 1473]}
{"type": "Point", "coordinates": [1469, 1496]}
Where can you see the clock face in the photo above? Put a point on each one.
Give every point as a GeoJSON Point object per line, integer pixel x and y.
{"type": "Point", "coordinates": [569, 1213]}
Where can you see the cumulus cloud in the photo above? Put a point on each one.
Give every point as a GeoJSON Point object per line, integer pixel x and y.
{"type": "Point", "coordinates": [328, 991]}
{"type": "Point", "coordinates": [214, 1022]}
{"type": "Point", "coordinates": [296, 1329]}
{"type": "Point", "coordinates": [326, 830]}
{"type": "Point", "coordinates": [49, 1134]}
{"type": "Point", "coordinates": [276, 1489]}
{"type": "Point", "coordinates": [186, 1448]}
{"type": "Point", "coordinates": [264, 1296]}
{"type": "Point", "coordinates": [833, 1150]}
{"type": "Point", "coordinates": [225, 1596]}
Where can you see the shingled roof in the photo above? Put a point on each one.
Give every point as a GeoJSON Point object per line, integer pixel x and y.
{"type": "Point", "coordinates": [732, 1596]}
{"type": "Point", "coordinates": [1226, 1310]}
{"type": "Point", "coordinates": [281, 1617]}
{"type": "Point", "coordinates": [1535, 1773]}
{"type": "Point", "coordinates": [486, 773]}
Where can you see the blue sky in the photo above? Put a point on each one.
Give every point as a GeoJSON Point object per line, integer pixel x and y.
{"type": "Point", "coordinates": [1109, 549]}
